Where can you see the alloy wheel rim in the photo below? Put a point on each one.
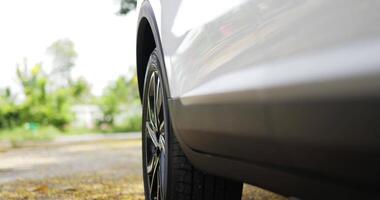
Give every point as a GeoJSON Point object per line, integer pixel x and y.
{"type": "Point", "coordinates": [155, 157]}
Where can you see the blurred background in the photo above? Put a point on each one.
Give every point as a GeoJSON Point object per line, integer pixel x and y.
{"type": "Point", "coordinates": [67, 67]}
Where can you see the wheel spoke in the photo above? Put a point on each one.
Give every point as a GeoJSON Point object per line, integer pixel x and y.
{"type": "Point", "coordinates": [154, 175]}
{"type": "Point", "coordinates": [162, 143]}
{"type": "Point", "coordinates": [151, 165]}
{"type": "Point", "coordinates": [158, 99]}
{"type": "Point", "coordinates": [151, 102]}
{"type": "Point", "coordinates": [152, 135]}
{"type": "Point", "coordinates": [151, 118]}
{"type": "Point", "coordinates": [162, 128]}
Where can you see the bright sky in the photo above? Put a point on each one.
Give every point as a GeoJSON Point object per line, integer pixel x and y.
{"type": "Point", "coordinates": [105, 42]}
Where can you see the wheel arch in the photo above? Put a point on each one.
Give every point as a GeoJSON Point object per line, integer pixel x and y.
{"type": "Point", "coordinates": [145, 46]}
{"type": "Point", "coordinates": [148, 39]}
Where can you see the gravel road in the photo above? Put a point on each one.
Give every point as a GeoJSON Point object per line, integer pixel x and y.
{"type": "Point", "coordinates": [77, 168]}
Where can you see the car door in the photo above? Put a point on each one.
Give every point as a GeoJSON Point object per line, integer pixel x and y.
{"type": "Point", "coordinates": [211, 51]}
{"type": "Point", "coordinates": [277, 82]}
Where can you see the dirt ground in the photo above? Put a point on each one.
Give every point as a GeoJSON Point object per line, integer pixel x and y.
{"type": "Point", "coordinates": [106, 169]}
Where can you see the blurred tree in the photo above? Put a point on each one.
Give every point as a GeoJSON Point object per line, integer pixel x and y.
{"type": "Point", "coordinates": [48, 97]}
{"type": "Point", "coordinates": [64, 56]}
{"type": "Point", "coordinates": [33, 83]}
{"type": "Point", "coordinates": [81, 90]}
{"type": "Point", "coordinates": [9, 115]}
{"type": "Point", "coordinates": [121, 92]}
{"type": "Point", "coordinates": [40, 106]}
{"type": "Point", "coordinates": [60, 113]}
{"type": "Point", "coordinates": [126, 6]}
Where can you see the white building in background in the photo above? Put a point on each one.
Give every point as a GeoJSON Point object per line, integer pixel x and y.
{"type": "Point", "coordinates": [86, 115]}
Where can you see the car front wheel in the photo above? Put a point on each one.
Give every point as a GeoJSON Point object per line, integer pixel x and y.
{"type": "Point", "coordinates": [168, 175]}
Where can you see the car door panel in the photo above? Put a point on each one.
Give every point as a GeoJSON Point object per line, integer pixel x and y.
{"type": "Point", "coordinates": [236, 69]}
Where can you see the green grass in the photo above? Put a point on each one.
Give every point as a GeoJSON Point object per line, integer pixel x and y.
{"type": "Point", "coordinates": [131, 125]}
{"type": "Point", "coordinates": [19, 135]}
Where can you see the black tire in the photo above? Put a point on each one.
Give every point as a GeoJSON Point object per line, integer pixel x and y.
{"type": "Point", "coordinates": [178, 180]}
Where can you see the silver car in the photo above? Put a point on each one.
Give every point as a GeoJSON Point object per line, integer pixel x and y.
{"type": "Point", "coordinates": [281, 94]}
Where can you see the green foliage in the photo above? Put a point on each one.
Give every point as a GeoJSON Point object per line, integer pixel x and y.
{"type": "Point", "coordinates": [121, 92]}
{"type": "Point", "coordinates": [126, 6]}
{"type": "Point", "coordinates": [133, 123]}
{"type": "Point", "coordinates": [45, 102]}
{"type": "Point", "coordinates": [80, 89]}
{"type": "Point", "coordinates": [47, 99]}
{"type": "Point", "coordinates": [40, 105]}
{"type": "Point", "coordinates": [9, 112]}
{"type": "Point", "coordinates": [21, 134]}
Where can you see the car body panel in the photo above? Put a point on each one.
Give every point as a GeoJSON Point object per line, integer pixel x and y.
{"type": "Point", "coordinates": [289, 86]}
{"type": "Point", "coordinates": [247, 35]}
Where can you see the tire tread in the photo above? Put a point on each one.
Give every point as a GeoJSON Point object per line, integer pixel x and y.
{"type": "Point", "coordinates": [193, 184]}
